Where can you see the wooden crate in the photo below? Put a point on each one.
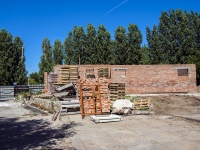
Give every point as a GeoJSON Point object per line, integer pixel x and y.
{"type": "Point", "coordinates": [141, 104]}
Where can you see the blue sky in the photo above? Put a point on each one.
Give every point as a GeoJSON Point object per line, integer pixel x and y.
{"type": "Point", "coordinates": [33, 20]}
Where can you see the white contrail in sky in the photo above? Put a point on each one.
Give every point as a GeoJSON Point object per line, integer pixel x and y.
{"type": "Point", "coordinates": [115, 8]}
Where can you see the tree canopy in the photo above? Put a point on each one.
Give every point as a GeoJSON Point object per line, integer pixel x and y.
{"type": "Point", "coordinates": [12, 62]}
{"type": "Point", "coordinates": [174, 40]}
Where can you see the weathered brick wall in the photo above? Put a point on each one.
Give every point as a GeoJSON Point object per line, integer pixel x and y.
{"type": "Point", "coordinates": [149, 78]}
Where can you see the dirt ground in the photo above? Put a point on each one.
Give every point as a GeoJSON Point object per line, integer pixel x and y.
{"type": "Point", "coordinates": [172, 124]}
{"type": "Point", "coordinates": [175, 105]}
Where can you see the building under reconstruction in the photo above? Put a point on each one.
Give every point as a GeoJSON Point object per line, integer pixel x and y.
{"type": "Point", "coordinates": [96, 85]}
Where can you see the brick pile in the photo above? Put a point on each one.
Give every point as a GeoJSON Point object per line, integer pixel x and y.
{"type": "Point", "coordinates": [93, 89]}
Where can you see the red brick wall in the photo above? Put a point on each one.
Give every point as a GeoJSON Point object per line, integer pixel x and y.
{"type": "Point", "coordinates": [149, 78]}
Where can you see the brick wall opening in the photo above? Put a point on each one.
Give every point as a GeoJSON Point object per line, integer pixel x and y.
{"type": "Point", "coordinates": [183, 72]}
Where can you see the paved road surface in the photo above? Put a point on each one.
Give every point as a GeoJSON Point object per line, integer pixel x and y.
{"type": "Point", "coordinates": [24, 129]}
{"type": "Point", "coordinates": [136, 132]}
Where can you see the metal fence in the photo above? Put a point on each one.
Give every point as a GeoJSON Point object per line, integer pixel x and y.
{"type": "Point", "coordinates": [6, 91]}
{"type": "Point", "coordinates": [11, 91]}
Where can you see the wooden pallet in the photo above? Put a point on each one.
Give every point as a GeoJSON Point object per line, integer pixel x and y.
{"type": "Point", "coordinates": [141, 104]}
{"type": "Point", "coordinates": [117, 91]}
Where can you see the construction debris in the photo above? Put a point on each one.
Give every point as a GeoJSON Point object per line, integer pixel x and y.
{"type": "Point", "coordinates": [87, 91]}
{"type": "Point", "coordinates": [122, 106]}
{"type": "Point", "coordinates": [108, 118]}
{"type": "Point", "coordinates": [68, 99]}
{"type": "Point", "coordinates": [140, 112]}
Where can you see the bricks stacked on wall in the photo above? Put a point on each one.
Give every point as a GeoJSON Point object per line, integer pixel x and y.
{"type": "Point", "coordinates": [117, 91]}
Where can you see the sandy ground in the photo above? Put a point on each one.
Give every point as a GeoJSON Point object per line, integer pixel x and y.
{"type": "Point", "coordinates": [174, 124]}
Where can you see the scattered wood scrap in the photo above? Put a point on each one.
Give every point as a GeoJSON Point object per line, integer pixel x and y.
{"type": "Point", "coordinates": [69, 102]}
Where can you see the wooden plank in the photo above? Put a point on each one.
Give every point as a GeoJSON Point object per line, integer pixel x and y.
{"type": "Point", "coordinates": [69, 85]}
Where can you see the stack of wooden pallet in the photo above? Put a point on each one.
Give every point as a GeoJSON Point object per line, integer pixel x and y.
{"type": "Point", "coordinates": [117, 91]}
{"type": "Point", "coordinates": [63, 75]}
{"type": "Point", "coordinates": [67, 74]}
{"type": "Point", "coordinates": [73, 74]}
{"type": "Point", "coordinates": [104, 72]}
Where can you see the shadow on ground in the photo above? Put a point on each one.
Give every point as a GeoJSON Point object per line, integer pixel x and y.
{"type": "Point", "coordinates": [29, 134]}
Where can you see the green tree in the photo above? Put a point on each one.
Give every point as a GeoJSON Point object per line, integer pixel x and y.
{"type": "Point", "coordinates": [18, 70]}
{"type": "Point", "coordinates": [5, 53]}
{"type": "Point", "coordinates": [145, 55]}
{"type": "Point", "coordinates": [46, 63]}
{"type": "Point", "coordinates": [12, 64]}
{"type": "Point", "coordinates": [154, 45]}
{"type": "Point", "coordinates": [34, 78]}
{"type": "Point", "coordinates": [134, 37]}
{"type": "Point", "coordinates": [121, 46]}
{"type": "Point", "coordinates": [79, 45]}
{"type": "Point", "coordinates": [176, 39]}
{"type": "Point", "coordinates": [91, 45]}
{"type": "Point", "coordinates": [69, 50]}
{"type": "Point", "coordinates": [58, 53]}
{"type": "Point", "coordinates": [103, 46]}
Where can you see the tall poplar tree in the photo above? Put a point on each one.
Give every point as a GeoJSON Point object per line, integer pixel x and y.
{"type": "Point", "coordinates": [145, 55]}
{"type": "Point", "coordinates": [46, 62]}
{"type": "Point", "coordinates": [6, 54]}
{"type": "Point", "coordinates": [177, 38]}
{"type": "Point", "coordinates": [154, 45]}
{"type": "Point", "coordinates": [12, 64]}
{"type": "Point", "coordinates": [91, 45]}
{"type": "Point", "coordinates": [121, 46]}
{"type": "Point", "coordinates": [57, 53]}
{"type": "Point", "coordinates": [103, 44]}
{"type": "Point", "coordinates": [69, 56]}
{"type": "Point", "coordinates": [134, 37]}
{"type": "Point", "coordinates": [19, 70]}
{"type": "Point", "coordinates": [79, 45]}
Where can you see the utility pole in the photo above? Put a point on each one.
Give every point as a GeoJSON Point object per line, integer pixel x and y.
{"type": "Point", "coordinates": [79, 59]}
{"type": "Point", "coordinates": [22, 53]}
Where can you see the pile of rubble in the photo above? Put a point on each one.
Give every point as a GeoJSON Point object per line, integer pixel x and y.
{"type": "Point", "coordinates": [67, 95]}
